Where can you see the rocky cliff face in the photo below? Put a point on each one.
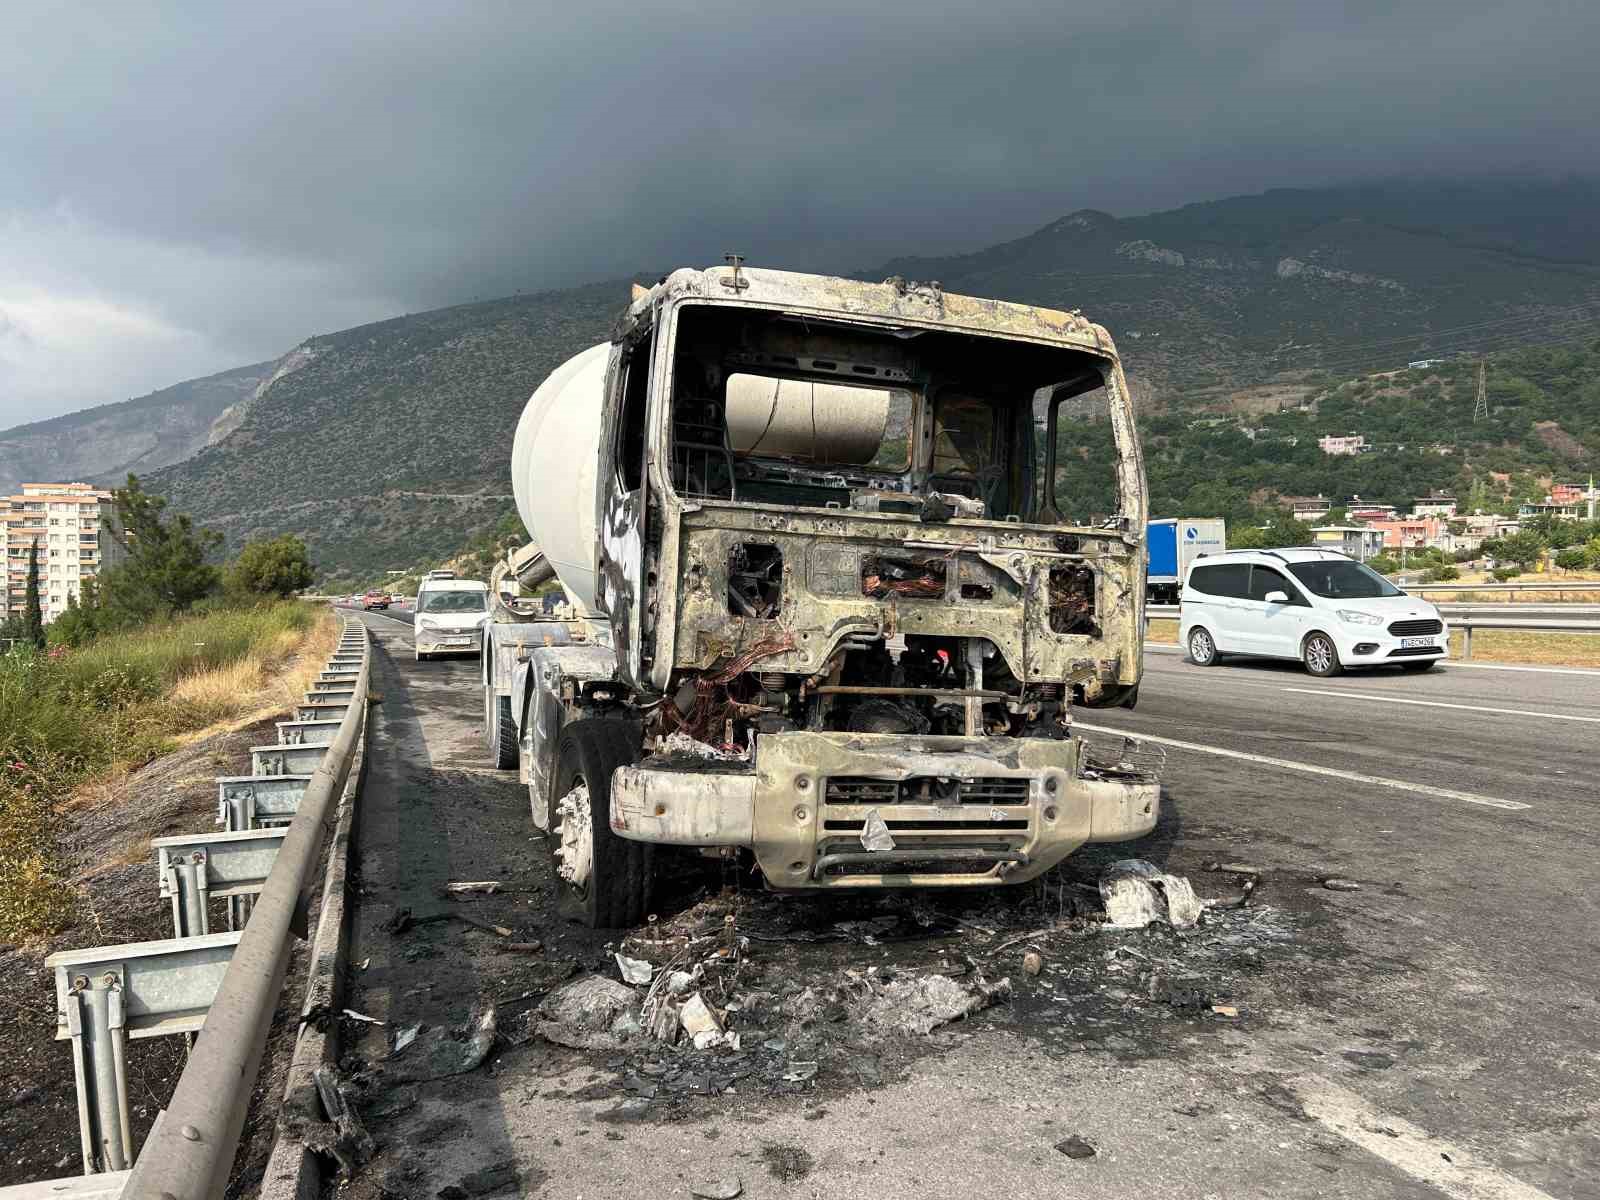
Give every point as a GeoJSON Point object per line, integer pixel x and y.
{"type": "Point", "coordinates": [102, 445]}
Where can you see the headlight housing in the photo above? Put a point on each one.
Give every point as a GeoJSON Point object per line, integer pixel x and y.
{"type": "Point", "coordinates": [1355, 616]}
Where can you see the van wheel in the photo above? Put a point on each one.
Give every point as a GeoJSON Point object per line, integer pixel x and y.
{"type": "Point", "coordinates": [503, 735]}
{"type": "Point", "coordinates": [1202, 649]}
{"type": "Point", "coordinates": [421, 657]}
{"type": "Point", "coordinates": [1320, 655]}
{"type": "Point", "coordinates": [604, 880]}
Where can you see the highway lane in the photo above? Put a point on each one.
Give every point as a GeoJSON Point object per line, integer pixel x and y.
{"type": "Point", "coordinates": [1446, 1008]}
{"type": "Point", "coordinates": [1522, 736]}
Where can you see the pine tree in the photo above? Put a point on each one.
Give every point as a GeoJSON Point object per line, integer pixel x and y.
{"type": "Point", "coordinates": [33, 613]}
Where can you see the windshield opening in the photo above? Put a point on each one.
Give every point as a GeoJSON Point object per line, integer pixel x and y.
{"type": "Point", "coordinates": [776, 408]}
{"type": "Point", "coordinates": [462, 601]}
{"type": "Point", "coordinates": [1341, 579]}
{"type": "Point", "coordinates": [1077, 452]}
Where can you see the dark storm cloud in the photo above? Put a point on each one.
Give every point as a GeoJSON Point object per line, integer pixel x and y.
{"type": "Point", "coordinates": [185, 187]}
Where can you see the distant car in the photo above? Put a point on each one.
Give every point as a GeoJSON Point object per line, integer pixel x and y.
{"type": "Point", "coordinates": [374, 600]}
{"type": "Point", "coordinates": [1318, 606]}
{"type": "Point", "coordinates": [450, 614]}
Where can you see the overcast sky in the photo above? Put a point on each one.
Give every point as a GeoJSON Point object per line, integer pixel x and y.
{"type": "Point", "coordinates": [190, 187]}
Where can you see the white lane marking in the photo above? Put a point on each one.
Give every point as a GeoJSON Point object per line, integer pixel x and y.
{"type": "Point", "coordinates": [1512, 712]}
{"type": "Point", "coordinates": [1401, 785]}
{"type": "Point", "coordinates": [1453, 663]}
{"type": "Point", "coordinates": [1455, 1171]}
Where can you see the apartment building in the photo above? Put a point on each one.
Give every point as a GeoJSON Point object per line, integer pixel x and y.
{"type": "Point", "coordinates": [1360, 542]}
{"type": "Point", "coordinates": [1337, 444]}
{"type": "Point", "coordinates": [64, 520]}
{"type": "Point", "coordinates": [1440, 505]}
{"type": "Point", "coordinates": [1413, 533]}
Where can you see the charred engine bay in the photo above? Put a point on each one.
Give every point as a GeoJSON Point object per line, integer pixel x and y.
{"type": "Point", "coordinates": [906, 685]}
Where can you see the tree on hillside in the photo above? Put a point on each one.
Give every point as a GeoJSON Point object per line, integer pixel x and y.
{"type": "Point", "coordinates": [1523, 548]}
{"type": "Point", "coordinates": [269, 567]}
{"type": "Point", "coordinates": [33, 611]}
{"type": "Point", "coordinates": [1286, 531]}
{"type": "Point", "coordinates": [80, 622]}
{"type": "Point", "coordinates": [1573, 558]}
{"type": "Point", "coordinates": [165, 569]}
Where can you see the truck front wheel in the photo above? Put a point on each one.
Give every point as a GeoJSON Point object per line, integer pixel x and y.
{"type": "Point", "coordinates": [604, 880]}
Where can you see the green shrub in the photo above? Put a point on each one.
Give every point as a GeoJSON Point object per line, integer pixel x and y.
{"type": "Point", "coordinates": [67, 713]}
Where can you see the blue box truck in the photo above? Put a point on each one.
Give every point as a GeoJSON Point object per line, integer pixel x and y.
{"type": "Point", "coordinates": [1172, 543]}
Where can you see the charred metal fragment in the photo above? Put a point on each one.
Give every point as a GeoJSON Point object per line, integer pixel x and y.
{"type": "Point", "coordinates": [884, 575]}
{"type": "Point", "coordinates": [755, 580]}
{"type": "Point", "coordinates": [1072, 601]}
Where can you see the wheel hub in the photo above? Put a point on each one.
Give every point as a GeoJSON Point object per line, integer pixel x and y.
{"type": "Point", "coordinates": [575, 854]}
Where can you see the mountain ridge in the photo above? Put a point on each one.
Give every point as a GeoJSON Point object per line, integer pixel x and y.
{"type": "Point", "coordinates": [104, 443]}
{"type": "Point", "coordinates": [1214, 296]}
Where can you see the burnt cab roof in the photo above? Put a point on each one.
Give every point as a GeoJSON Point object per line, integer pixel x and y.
{"type": "Point", "coordinates": [894, 301]}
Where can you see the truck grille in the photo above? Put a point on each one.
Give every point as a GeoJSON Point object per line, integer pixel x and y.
{"type": "Point", "coordinates": [926, 789]}
{"type": "Point", "coordinates": [1419, 628]}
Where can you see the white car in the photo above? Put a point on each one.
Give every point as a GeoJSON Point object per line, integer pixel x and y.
{"type": "Point", "coordinates": [449, 617]}
{"type": "Point", "coordinates": [1318, 606]}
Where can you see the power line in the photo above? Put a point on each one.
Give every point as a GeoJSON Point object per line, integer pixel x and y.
{"type": "Point", "coordinates": [1575, 331]}
{"type": "Point", "coordinates": [1555, 315]}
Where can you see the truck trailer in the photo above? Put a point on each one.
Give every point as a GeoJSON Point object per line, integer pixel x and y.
{"type": "Point", "coordinates": [1172, 544]}
{"type": "Point", "coordinates": [826, 612]}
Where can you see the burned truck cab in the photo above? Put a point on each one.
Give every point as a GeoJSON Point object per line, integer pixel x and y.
{"type": "Point", "coordinates": [861, 549]}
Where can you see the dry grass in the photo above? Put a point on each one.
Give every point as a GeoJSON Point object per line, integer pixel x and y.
{"type": "Point", "coordinates": [1488, 645]}
{"type": "Point", "coordinates": [259, 685]}
{"type": "Point", "coordinates": [1163, 631]}
{"type": "Point", "coordinates": [1567, 579]}
{"type": "Point", "coordinates": [1533, 649]}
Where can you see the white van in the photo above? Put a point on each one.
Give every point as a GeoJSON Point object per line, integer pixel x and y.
{"type": "Point", "coordinates": [1319, 606]}
{"type": "Point", "coordinates": [449, 617]}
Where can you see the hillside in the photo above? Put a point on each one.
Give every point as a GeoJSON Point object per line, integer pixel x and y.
{"type": "Point", "coordinates": [1543, 425]}
{"type": "Point", "coordinates": [386, 445]}
{"type": "Point", "coordinates": [101, 445]}
{"type": "Point", "coordinates": [1235, 292]}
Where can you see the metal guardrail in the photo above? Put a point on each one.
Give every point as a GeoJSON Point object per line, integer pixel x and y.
{"type": "Point", "coordinates": [1557, 587]}
{"type": "Point", "coordinates": [225, 986]}
{"type": "Point", "coordinates": [190, 1152]}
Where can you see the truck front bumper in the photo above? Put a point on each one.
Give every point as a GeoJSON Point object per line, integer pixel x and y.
{"type": "Point", "coordinates": [961, 811]}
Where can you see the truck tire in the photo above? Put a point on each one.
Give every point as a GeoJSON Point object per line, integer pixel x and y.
{"type": "Point", "coordinates": [615, 892]}
{"type": "Point", "coordinates": [502, 735]}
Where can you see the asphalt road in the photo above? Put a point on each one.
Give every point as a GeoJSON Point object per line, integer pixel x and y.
{"type": "Point", "coordinates": [1432, 1033]}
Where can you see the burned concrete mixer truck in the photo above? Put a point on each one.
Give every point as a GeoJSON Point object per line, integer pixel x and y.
{"type": "Point", "coordinates": [839, 558]}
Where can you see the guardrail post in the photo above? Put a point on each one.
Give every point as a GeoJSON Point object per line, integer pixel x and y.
{"type": "Point", "coordinates": [184, 883]}
{"type": "Point", "coordinates": [107, 994]}
{"type": "Point", "coordinates": [1466, 643]}
{"type": "Point", "coordinates": [95, 1023]}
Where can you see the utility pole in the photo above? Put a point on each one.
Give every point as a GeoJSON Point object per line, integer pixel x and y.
{"type": "Point", "coordinates": [1480, 411]}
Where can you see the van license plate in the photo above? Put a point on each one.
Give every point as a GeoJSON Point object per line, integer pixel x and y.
{"type": "Point", "coordinates": [1413, 643]}
{"type": "Point", "coordinates": [458, 641]}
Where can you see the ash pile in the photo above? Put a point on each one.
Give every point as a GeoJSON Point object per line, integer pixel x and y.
{"type": "Point", "coordinates": [749, 995]}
